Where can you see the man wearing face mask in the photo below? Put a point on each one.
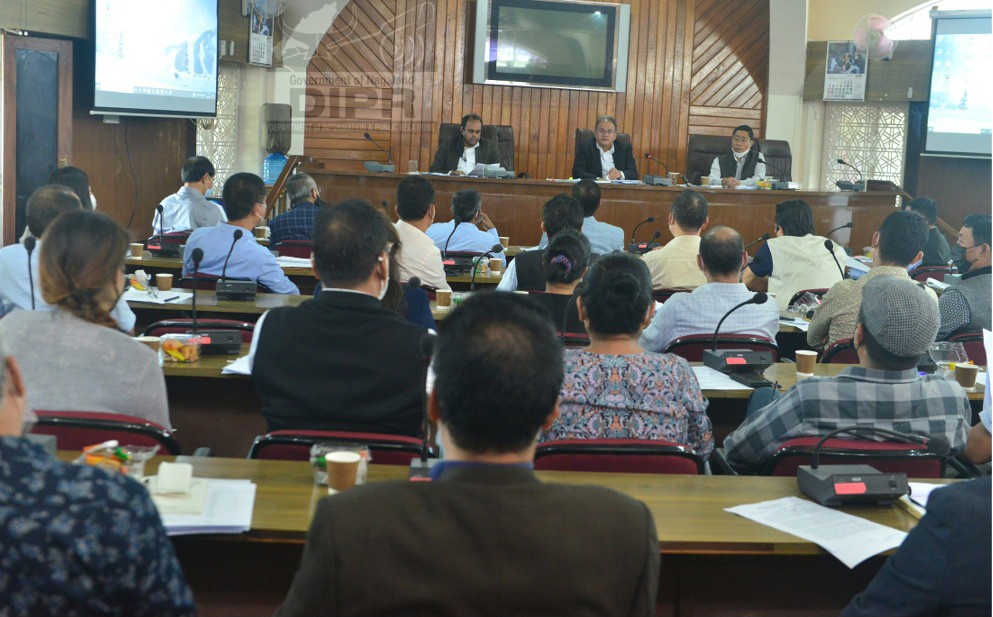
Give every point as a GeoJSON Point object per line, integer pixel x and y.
{"type": "Point", "coordinates": [244, 204]}
{"type": "Point", "coordinates": [188, 208]}
{"type": "Point", "coordinates": [342, 361]}
{"type": "Point", "coordinates": [965, 307]}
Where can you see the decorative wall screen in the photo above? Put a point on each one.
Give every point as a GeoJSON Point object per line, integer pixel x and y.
{"type": "Point", "coordinates": [220, 143]}
{"type": "Point", "coordinates": [870, 136]}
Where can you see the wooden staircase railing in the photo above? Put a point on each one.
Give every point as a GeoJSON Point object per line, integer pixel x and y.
{"type": "Point", "coordinates": [292, 163]}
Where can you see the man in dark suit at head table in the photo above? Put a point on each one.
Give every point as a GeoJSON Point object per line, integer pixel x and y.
{"type": "Point", "coordinates": [604, 156]}
{"type": "Point", "coordinates": [460, 154]}
{"type": "Point", "coordinates": [484, 537]}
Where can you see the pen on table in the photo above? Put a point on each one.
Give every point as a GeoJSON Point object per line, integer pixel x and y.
{"type": "Point", "coordinates": [171, 299]}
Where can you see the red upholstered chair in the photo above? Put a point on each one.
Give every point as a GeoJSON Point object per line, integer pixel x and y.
{"type": "Point", "coordinates": [840, 352]}
{"type": "Point", "coordinates": [661, 295]}
{"type": "Point", "coordinates": [818, 291]}
{"type": "Point", "coordinates": [619, 455]}
{"type": "Point", "coordinates": [886, 456]}
{"type": "Point", "coordinates": [183, 325]}
{"type": "Point", "coordinates": [295, 445]}
{"type": "Point", "coordinates": [294, 248]}
{"type": "Point", "coordinates": [574, 339]}
{"type": "Point", "coordinates": [973, 343]}
{"type": "Point", "coordinates": [74, 430]}
{"type": "Point", "coordinates": [922, 273]}
{"type": "Point", "coordinates": [209, 282]}
{"type": "Point", "coordinates": [691, 347]}
{"type": "Point", "coordinates": [173, 237]}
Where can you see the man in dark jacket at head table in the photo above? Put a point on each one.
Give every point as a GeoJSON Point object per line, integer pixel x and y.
{"type": "Point", "coordinates": [460, 154]}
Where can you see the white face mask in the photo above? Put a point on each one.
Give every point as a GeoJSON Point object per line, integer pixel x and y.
{"type": "Point", "coordinates": [386, 281]}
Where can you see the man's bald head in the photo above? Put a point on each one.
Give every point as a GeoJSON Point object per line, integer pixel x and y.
{"type": "Point", "coordinates": [721, 249]}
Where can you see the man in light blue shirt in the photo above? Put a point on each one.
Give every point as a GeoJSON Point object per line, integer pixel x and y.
{"type": "Point", "coordinates": [244, 205]}
{"type": "Point", "coordinates": [467, 212]}
{"type": "Point", "coordinates": [604, 238]}
{"type": "Point", "coordinates": [188, 208]}
{"type": "Point", "coordinates": [45, 205]}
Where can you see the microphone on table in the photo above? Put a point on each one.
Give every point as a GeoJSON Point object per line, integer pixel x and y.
{"type": "Point", "coordinates": [655, 236]}
{"type": "Point", "coordinates": [780, 185]}
{"type": "Point", "coordinates": [161, 211]}
{"type": "Point", "coordinates": [211, 341]}
{"type": "Point", "coordinates": [237, 236]}
{"type": "Point", "coordinates": [29, 244]}
{"type": "Point", "coordinates": [635, 246]}
{"type": "Point", "coordinates": [413, 283]}
{"type": "Point", "coordinates": [830, 249]}
{"type": "Point", "coordinates": [456, 221]}
{"type": "Point", "coordinates": [847, 225]}
{"type": "Point", "coordinates": [496, 248]}
{"type": "Point", "coordinates": [659, 161]}
{"type": "Point", "coordinates": [754, 242]}
{"type": "Point", "coordinates": [654, 180]}
{"type": "Point", "coordinates": [849, 186]}
{"type": "Point", "coordinates": [420, 470]}
{"type": "Point", "coordinates": [634, 231]}
{"type": "Point", "coordinates": [742, 365]}
{"type": "Point", "coordinates": [759, 298]}
{"type": "Point", "coordinates": [379, 167]}
{"type": "Point", "coordinates": [197, 257]}
{"type": "Point", "coordinates": [234, 290]}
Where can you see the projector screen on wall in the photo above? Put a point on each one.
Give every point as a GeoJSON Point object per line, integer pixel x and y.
{"type": "Point", "coordinates": [155, 58]}
{"type": "Point", "coordinates": [960, 110]}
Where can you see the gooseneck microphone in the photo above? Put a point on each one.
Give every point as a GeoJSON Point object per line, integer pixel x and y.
{"type": "Point", "coordinates": [634, 231]}
{"type": "Point", "coordinates": [496, 248]}
{"type": "Point", "coordinates": [847, 225]}
{"type": "Point", "coordinates": [849, 186]}
{"type": "Point", "coordinates": [197, 257]}
{"type": "Point", "coordinates": [774, 168]}
{"type": "Point", "coordinates": [655, 236]}
{"type": "Point", "coordinates": [456, 220]}
{"type": "Point", "coordinates": [161, 212]}
{"type": "Point", "coordinates": [237, 236]}
{"type": "Point", "coordinates": [759, 298]}
{"type": "Point", "coordinates": [659, 161]}
{"type": "Point", "coordinates": [413, 283]}
{"type": "Point", "coordinates": [29, 244]}
{"type": "Point", "coordinates": [389, 157]}
{"type": "Point", "coordinates": [830, 249]}
{"type": "Point", "coordinates": [754, 242]}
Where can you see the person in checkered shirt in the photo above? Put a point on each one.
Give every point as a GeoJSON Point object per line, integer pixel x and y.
{"type": "Point", "coordinates": [896, 326]}
{"type": "Point", "coordinates": [298, 222]}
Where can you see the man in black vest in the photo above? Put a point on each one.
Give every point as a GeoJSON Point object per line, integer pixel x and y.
{"type": "Point", "coordinates": [342, 361]}
{"type": "Point", "coordinates": [742, 165]}
{"type": "Point", "coordinates": [460, 154]}
{"type": "Point", "coordinates": [526, 272]}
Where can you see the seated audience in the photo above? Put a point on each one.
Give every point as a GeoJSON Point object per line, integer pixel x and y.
{"type": "Point", "coordinates": [413, 304]}
{"type": "Point", "coordinates": [419, 256]}
{"type": "Point", "coordinates": [461, 233]}
{"type": "Point", "coordinates": [78, 540]}
{"type": "Point", "coordinates": [298, 222]}
{"type": "Point", "coordinates": [244, 203]}
{"type": "Point", "coordinates": [76, 180]}
{"type": "Point", "coordinates": [604, 156]}
{"type": "Point", "coordinates": [342, 361]}
{"type": "Point", "coordinates": [675, 264]}
{"type": "Point", "coordinates": [459, 155]}
{"type": "Point", "coordinates": [979, 445]}
{"type": "Point", "coordinates": [742, 166]}
{"type": "Point", "coordinates": [722, 254]}
{"type": "Point", "coordinates": [73, 357]}
{"type": "Point", "coordinates": [47, 203]}
{"type": "Point", "coordinates": [527, 271]}
{"type": "Point", "coordinates": [796, 259]}
{"type": "Point", "coordinates": [484, 505]}
{"type": "Point", "coordinates": [188, 209]}
{"type": "Point", "coordinates": [943, 566]}
{"type": "Point", "coordinates": [895, 246]}
{"type": "Point", "coordinates": [965, 306]}
{"type": "Point", "coordinates": [566, 260]}
{"type": "Point", "coordinates": [896, 326]}
{"type": "Point", "coordinates": [604, 238]}
{"type": "Point", "coordinates": [936, 251]}
{"type": "Point", "coordinates": [614, 389]}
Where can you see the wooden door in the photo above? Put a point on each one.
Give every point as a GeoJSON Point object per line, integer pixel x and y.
{"type": "Point", "coordinates": [37, 95]}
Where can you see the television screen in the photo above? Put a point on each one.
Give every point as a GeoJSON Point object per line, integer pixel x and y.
{"type": "Point", "coordinates": [960, 114]}
{"type": "Point", "coordinates": [552, 43]}
{"type": "Point", "coordinates": [155, 58]}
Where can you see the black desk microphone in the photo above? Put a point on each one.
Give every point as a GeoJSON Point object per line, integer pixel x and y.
{"type": "Point", "coordinates": [29, 244]}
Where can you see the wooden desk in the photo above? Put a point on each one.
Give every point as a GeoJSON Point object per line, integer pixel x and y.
{"type": "Point", "coordinates": [515, 205]}
{"type": "Point", "coordinates": [207, 302]}
{"type": "Point", "coordinates": [696, 535]}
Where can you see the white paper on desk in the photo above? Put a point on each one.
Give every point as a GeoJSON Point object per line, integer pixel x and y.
{"type": "Point", "coordinates": [920, 492]}
{"type": "Point", "coordinates": [936, 284]}
{"type": "Point", "coordinates": [174, 297]}
{"type": "Point", "coordinates": [228, 510]}
{"type": "Point", "coordinates": [855, 264]}
{"type": "Point", "coordinates": [800, 324]}
{"type": "Point", "coordinates": [241, 366]}
{"type": "Point", "coordinates": [849, 538]}
{"type": "Point", "coordinates": [710, 379]}
{"type": "Point", "coordinates": [285, 261]}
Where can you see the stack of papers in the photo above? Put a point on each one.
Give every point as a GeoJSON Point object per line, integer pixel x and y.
{"type": "Point", "coordinates": [241, 366]}
{"type": "Point", "coordinates": [227, 507]}
{"type": "Point", "coordinates": [293, 262]}
{"type": "Point", "coordinates": [800, 324]}
{"type": "Point", "coordinates": [164, 297]}
{"type": "Point", "coordinates": [936, 284]}
{"type": "Point", "coordinates": [715, 380]}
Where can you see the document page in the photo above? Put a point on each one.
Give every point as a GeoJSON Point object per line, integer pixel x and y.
{"type": "Point", "coordinates": [164, 297]}
{"type": "Point", "coordinates": [849, 538]}
{"type": "Point", "coordinates": [228, 509]}
{"type": "Point", "coordinates": [715, 380]}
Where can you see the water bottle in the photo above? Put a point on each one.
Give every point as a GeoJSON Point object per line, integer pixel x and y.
{"type": "Point", "coordinates": [272, 166]}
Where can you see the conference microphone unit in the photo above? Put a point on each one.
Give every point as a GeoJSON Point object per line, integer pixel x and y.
{"type": "Point", "coordinates": [413, 283]}
{"type": "Point", "coordinates": [652, 242]}
{"type": "Point", "coordinates": [634, 246]}
{"type": "Point", "coordinates": [742, 365]}
{"type": "Point", "coordinates": [211, 341]}
{"type": "Point", "coordinates": [850, 186]}
{"type": "Point", "coordinates": [778, 185]}
{"type": "Point", "coordinates": [376, 166]}
{"type": "Point", "coordinates": [456, 221]}
{"type": "Point", "coordinates": [29, 244]}
{"type": "Point", "coordinates": [830, 249]}
{"type": "Point", "coordinates": [845, 226]}
{"type": "Point", "coordinates": [420, 467]}
{"type": "Point", "coordinates": [654, 180]}
{"type": "Point", "coordinates": [496, 248]}
{"type": "Point", "coordinates": [754, 242]}
{"type": "Point", "coordinates": [162, 249]}
{"type": "Point", "coordinates": [838, 485]}
{"type": "Point", "coordinates": [235, 290]}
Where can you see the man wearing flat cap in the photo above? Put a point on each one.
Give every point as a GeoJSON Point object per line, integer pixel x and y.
{"type": "Point", "coordinates": [897, 323]}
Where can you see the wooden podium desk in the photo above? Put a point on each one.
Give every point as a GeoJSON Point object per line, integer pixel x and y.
{"type": "Point", "coordinates": [711, 559]}
{"type": "Point", "coordinates": [515, 205]}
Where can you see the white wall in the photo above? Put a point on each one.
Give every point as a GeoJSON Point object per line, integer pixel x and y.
{"type": "Point", "coordinates": [787, 55]}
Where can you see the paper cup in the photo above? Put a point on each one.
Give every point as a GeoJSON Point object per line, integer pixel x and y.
{"type": "Point", "coordinates": [965, 374]}
{"type": "Point", "coordinates": [151, 341]}
{"type": "Point", "coordinates": [496, 264]}
{"type": "Point", "coordinates": [444, 297]}
{"type": "Point", "coordinates": [343, 468]}
{"type": "Point", "coordinates": [705, 181]}
{"type": "Point", "coordinates": [505, 241]}
{"type": "Point", "coordinates": [260, 232]}
{"type": "Point", "coordinates": [137, 249]}
{"type": "Point", "coordinates": [163, 282]}
{"type": "Point", "coordinates": [805, 361]}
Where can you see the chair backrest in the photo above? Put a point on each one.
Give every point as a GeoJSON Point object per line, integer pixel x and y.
{"type": "Point", "coordinates": [184, 325]}
{"type": "Point", "coordinates": [74, 430]}
{"type": "Point", "coordinates": [502, 134]}
{"type": "Point", "coordinates": [173, 237]}
{"type": "Point", "coordinates": [661, 295]}
{"type": "Point", "coordinates": [841, 351]}
{"type": "Point", "coordinates": [923, 273]}
{"type": "Point", "coordinates": [294, 248]}
{"type": "Point", "coordinates": [295, 445]}
{"type": "Point", "coordinates": [817, 291]}
{"type": "Point", "coordinates": [574, 339]}
{"type": "Point", "coordinates": [886, 456]}
{"type": "Point", "coordinates": [974, 347]}
{"type": "Point", "coordinates": [587, 134]}
{"type": "Point", "coordinates": [702, 149]}
{"type": "Point", "coordinates": [691, 346]}
{"type": "Point", "coordinates": [618, 455]}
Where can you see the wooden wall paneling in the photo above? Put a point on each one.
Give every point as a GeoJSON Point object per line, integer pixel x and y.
{"type": "Point", "coordinates": [59, 17]}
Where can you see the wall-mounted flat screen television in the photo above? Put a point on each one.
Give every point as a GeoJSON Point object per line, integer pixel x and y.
{"type": "Point", "coordinates": [155, 58]}
{"type": "Point", "coordinates": [552, 44]}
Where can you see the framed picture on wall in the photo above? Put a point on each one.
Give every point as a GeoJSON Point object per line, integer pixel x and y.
{"type": "Point", "coordinates": [845, 72]}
